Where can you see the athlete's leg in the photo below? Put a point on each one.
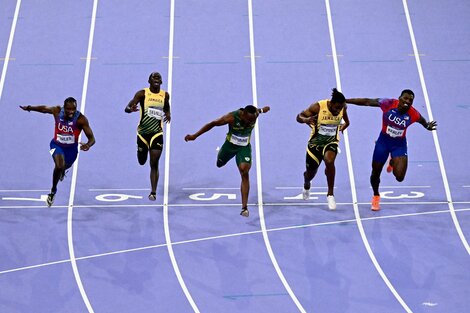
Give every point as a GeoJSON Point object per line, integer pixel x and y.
{"type": "Point", "coordinates": [379, 158]}
{"type": "Point", "coordinates": [400, 160]}
{"type": "Point", "coordinates": [330, 170]}
{"type": "Point", "coordinates": [142, 150]}
{"type": "Point", "coordinates": [243, 159]}
{"type": "Point", "coordinates": [154, 172]}
{"type": "Point", "coordinates": [59, 169]}
{"type": "Point", "coordinates": [312, 162]}
{"type": "Point", "coordinates": [244, 169]}
{"type": "Point", "coordinates": [156, 146]}
{"type": "Point", "coordinates": [375, 176]}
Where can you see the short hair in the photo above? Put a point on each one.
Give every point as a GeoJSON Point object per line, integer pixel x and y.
{"type": "Point", "coordinates": [337, 97]}
{"type": "Point", "coordinates": [154, 73]}
{"type": "Point", "coordinates": [70, 100]}
{"type": "Point", "coordinates": [408, 91]}
{"type": "Point", "coordinates": [251, 109]}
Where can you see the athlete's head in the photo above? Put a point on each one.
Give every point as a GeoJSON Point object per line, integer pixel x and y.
{"type": "Point", "coordinates": [337, 102]}
{"type": "Point", "coordinates": [249, 115]}
{"type": "Point", "coordinates": [70, 107]}
{"type": "Point", "coordinates": [155, 80]}
{"type": "Point", "coordinates": [406, 100]}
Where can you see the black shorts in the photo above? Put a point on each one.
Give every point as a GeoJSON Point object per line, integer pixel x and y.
{"type": "Point", "coordinates": [316, 153]}
{"type": "Point", "coordinates": [152, 141]}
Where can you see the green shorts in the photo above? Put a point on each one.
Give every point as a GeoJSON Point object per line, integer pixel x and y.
{"type": "Point", "coordinates": [316, 153]}
{"type": "Point", "coordinates": [229, 150]}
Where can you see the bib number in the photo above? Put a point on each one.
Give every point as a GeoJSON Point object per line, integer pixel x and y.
{"type": "Point", "coordinates": [66, 139]}
{"type": "Point", "coordinates": [155, 113]}
{"type": "Point", "coordinates": [328, 130]}
{"type": "Point", "coordinates": [393, 132]}
{"type": "Point", "coordinates": [238, 140]}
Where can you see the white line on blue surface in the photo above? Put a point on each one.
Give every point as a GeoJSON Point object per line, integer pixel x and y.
{"type": "Point", "coordinates": [434, 133]}
{"type": "Point", "coordinates": [166, 181]}
{"type": "Point", "coordinates": [10, 43]}
{"type": "Point", "coordinates": [258, 165]}
{"type": "Point", "coordinates": [351, 173]}
{"type": "Point", "coordinates": [226, 236]}
{"type": "Point", "coordinates": [73, 260]}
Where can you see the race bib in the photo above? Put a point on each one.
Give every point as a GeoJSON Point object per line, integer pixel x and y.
{"type": "Point", "coordinates": [66, 139]}
{"type": "Point", "coordinates": [393, 132]}
{"type": "Point", "coordinates": [239, 140]}
{"type": "Point", "coordinates": [328, 130]}
{"type": "Point", "coordinates": [155, 113]}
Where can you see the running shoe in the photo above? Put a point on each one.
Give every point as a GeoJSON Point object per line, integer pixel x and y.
{"type": "Point", "coordinates": [245, 212]}
{"type": "Point", "coordinates": [152, 196]}
{"type": "Point", "coordinates": [331, 202]}
{"type": "Point", "coordinates": [375, 203]}
{"type": "Point", "coordinates": [50, 199]}
{"type": "Point", "coordinates": [306, 194]}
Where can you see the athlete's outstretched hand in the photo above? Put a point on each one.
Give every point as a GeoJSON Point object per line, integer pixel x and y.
{"type": "Point", "coordinates": [266, 109]}
{"type": "Point", "coordinates": [189, 137]}
{"type": "Point", "coordinates": [431, 125]}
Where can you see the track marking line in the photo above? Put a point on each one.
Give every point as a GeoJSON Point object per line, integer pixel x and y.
{"type": "Point", "coordinates": [10, 44]}
{"type": "Point", "coordinates": [434, 133]}
{"type": "Point", "coordinates": [351, 173]}
{"type": "Point", "coordinates": [258, 164]}
{"type": "Point", "coordinates": [166, 183]}
{"type": "Point", "coordinates": [293, 227]}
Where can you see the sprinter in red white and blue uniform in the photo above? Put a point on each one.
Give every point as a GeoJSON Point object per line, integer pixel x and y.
{"type": "Point", "coordinates": [398, 115]}
{"type": "Point", "coordinates": [64, 146]}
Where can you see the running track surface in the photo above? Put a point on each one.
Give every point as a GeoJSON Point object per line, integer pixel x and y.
{"type": "Point", "coordinates": [103, 247]}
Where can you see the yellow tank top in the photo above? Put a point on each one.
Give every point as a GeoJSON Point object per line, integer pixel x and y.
{"type": "Point", "coordinates": [151, 113]}
{"type": "Point", "coordinates": [326, 130]}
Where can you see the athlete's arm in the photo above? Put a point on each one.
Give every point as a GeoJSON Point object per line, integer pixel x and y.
{"type": "Point", "coordinates": [428, 125]}
{"type": "Point", "coordinates": [133, 105]}
{"type": "Point", "coordinates": [85, 126]}
{"type": "Point", "coordinates": [364, 102]}
{"type": "Point", "coordinates": [41, 109]}
{"type": "Point", "coordinates": [345, 119]}
{"type": "Point", "coordinates": [264, 110]}
{"type": "Point", "coordinates": [224, 120]}
{"type": "Point", "coordinates": [310, 115]}
{"type": "Point", "coordinates": [166, 108]}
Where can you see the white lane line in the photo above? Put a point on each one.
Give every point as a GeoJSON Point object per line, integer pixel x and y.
{"type": "Point", "coordinates": [190, 205]}
{"type": "Point", "coordinates": [166, 183]}
{"type": "Point", "coordinates": [215, 188]}
{"type": "Point", "coordinates": [351, 174]}
{"type": "Point", "coordinates": [25, 190]}
{"type": "Point", "coordinates": [10, 44]}
{"type": "Point", "coordinates": [434, 133]}
{"type": "Point", "coordinates": [258, 164]}
{"type": "Point", "coordinates": [119, 189]}
{"type": "Point", "coordinates": [227, 236]}
{"type": "Point", "coordinates": [73, 260]}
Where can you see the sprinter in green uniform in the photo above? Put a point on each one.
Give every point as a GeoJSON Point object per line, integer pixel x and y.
{"type": "Point", "coordinates": [154, 106]}
{"type": "Point", "coordinates": [324, 118]}
{"type": "Point", "coordinates": [237, 144]}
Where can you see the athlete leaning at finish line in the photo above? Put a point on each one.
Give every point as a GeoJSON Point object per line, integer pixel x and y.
{"type": "Point", "coordinates": [324, 118]}
{"type": "Point", "coordinates": [398, 115]}
{"type": "Point", "coordinates": [154, 106]}
{"type": "Point", "coordinates": [69, 122]}
{"type": "Point", "coordinates": [237, 144]}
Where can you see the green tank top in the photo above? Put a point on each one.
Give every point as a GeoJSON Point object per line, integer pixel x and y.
{"type": "Point", "coordinates": [239, 134]}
